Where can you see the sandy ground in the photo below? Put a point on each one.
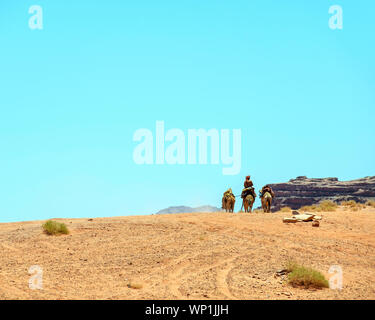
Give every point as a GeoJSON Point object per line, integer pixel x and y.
{"type": "Point", "coordinates": [188, 256]}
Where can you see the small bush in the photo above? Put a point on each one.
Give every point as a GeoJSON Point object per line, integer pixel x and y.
{"type": "Point", "coordinates": [349, 203]}
{"type": "Point", "coordinates": [306, 277]}
{"type": "Point", "coordinates": [352, 205]}
{"type": "Point", "coordinates": [370, 203]}
{"type": "Point", "coordinates": [312, 208]}
{"type": "Point", "coordinates": [285, 209]}
{"type": "Point", "coordinates": [325, 205]}
{"type": "Point", "coordinates": [328, 205]}
{"type": "Point", "coordinates": [53, 228]}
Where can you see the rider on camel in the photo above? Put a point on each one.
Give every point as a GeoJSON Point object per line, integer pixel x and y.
{"type": "Point", "coordinates": [248, 188]}
{"type": "Point", "coordinates": [265, 189]}
{"type": "Point", "coordinates": [227, 194]}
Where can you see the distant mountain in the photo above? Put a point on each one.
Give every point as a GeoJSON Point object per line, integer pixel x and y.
{"type": "Point", "coordinates": [185, 209]}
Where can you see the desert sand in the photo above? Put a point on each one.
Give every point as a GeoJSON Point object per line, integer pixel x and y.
{"type": "Point", "coordinates": [188, 256]}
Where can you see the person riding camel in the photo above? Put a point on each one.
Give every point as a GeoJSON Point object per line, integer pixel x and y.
{"type": "Point", "coordinates": [227, 194]}
{"type": "Point", "coordinates": [248, 183]}
{"type": "Point", "coordinates": [266, 195]}
{"type": "Point", "coordinates": [265, 189]}
{"type": "Point", "coordinates": [248, 188]}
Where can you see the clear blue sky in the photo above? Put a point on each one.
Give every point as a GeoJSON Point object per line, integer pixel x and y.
{"type": "Point", "coordinates": [73, 94]}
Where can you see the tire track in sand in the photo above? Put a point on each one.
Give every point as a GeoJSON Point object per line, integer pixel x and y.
{"type": "Point", "coordinates": [221, 280]}
{"type": "Point", "coordinates": [175, 279]}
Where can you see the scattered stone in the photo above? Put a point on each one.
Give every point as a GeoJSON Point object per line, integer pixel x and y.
{"type": "Point", "coordinates": [290, 220]}
{"type": "Point", "coordinates": [315, 223]}
{"type": "Point", "coordinates": [305, 217]}
{"type": "Point", "coordinates": [90, 220]}
{"type": "Point", "coordinates": [299, 217]}
{"type": "Point", "coordinates": [281, 272]}
{"type": "Point", "coordinates": [295, 212]}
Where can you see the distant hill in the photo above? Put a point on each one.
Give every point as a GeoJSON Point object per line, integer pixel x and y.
{"type": "Point", "coordinates": [185, 209]}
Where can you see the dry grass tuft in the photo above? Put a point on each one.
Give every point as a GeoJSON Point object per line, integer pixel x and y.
{"type": "Point", "coordinates": [312, 208]}
{"type": "Point", "coordinates": [352, 205]}
{"type": "Point", "coordinates": [285, 209]}
{"type": "Point", "coordinates": [328, 205]}
{"type": "Point", "coordinates": [305, 277]}
{"type": "Point", "coordinates": [54, 228]}
{"type": "Point", "coordinates": [323, 206]}
{"type": "Point", "coordinates": [349, 203]}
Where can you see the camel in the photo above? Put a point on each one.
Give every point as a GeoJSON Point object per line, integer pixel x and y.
{"type": "Point", "coordinates": [248, 202]}
{"type": "Point", "coordinates": [229, 203]}
{"type": "Point", "coordinates": [266, 202]}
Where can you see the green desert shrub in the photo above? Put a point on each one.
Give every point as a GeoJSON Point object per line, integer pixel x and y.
{"type": "Point", "coordinates": [53, 227]}
{"type": "Point", "coordinates": [305, 277]}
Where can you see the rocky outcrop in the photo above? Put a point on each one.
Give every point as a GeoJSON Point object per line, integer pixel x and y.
{"type": "Point", "coordinates": [304, 191]}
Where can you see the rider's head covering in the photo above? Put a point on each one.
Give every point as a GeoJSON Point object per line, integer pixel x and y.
{"type": "Point", "coordinates": [247, 177]}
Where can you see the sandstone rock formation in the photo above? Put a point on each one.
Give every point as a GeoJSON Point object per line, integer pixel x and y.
{"type": "Point", "coordinates": [304, 191]}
